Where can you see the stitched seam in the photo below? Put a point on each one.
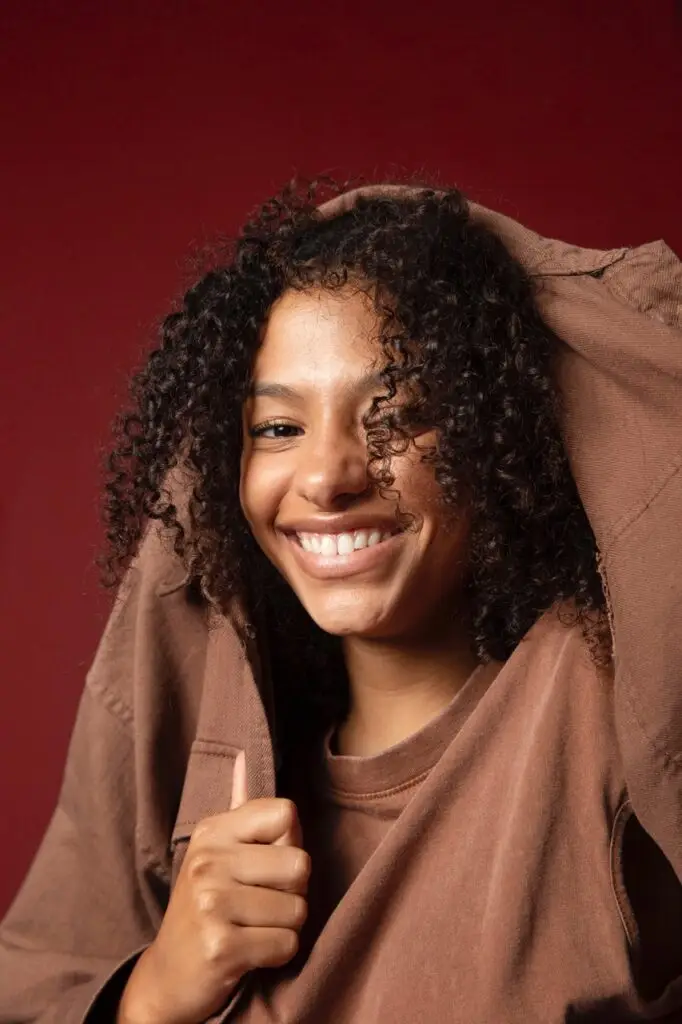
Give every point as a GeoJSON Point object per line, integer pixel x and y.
{"type": "Point", "coordinates": [627, 918]}
{"type": "Point", "coordinates": [630, 517]}
{"type": "Point", "coordinates": [620, 293]}
{"type": "Point", "coordinates": [592, 271]}
{"type": "Point", "coordinates": [381, 792]}
{"type": "Point", "coordinates": [111, 701]}
{"type": "Point", "coordinates": [213, 748]}
{"type": "Point", "coordinates": [601, 569]}
{"type": "Point", "coordinates": [124, 716]}
{"type": "Point", "coordinates": [670, 761]}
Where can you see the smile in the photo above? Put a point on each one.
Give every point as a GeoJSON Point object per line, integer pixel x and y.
{"type": "Point", "coordinates": [334, 544]}
{"type": "Point", "coordinates": [336, 555]}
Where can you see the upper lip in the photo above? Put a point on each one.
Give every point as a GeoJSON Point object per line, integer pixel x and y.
{"type": "Point", "coordinates": [346, 523]}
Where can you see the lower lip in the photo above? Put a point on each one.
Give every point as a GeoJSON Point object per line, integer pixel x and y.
{"type": "Point", "coordinates": [327, 567]}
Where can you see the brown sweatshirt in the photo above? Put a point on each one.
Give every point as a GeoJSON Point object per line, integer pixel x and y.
{"type": "Point", "coordinates": [532, 873]}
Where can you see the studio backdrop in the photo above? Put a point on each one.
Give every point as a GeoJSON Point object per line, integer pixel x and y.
{"type": "Point", "coordinates": [132, 134]}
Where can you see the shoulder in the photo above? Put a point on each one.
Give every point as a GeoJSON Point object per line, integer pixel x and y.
{"type": "Point", "coordinates": [150, 664]}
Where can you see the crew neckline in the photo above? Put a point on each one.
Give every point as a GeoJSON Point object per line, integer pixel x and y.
{"type": "Point", "coordinates": [406, 762]}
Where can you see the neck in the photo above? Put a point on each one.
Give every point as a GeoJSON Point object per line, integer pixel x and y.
{"type": "Point", "coordinates": [398, 687]}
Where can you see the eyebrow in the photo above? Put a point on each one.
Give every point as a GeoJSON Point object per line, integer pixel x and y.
{"type": "Point", "coordinates": [272, 390]}
{"type": "Point", "coordinates": [359, 386]}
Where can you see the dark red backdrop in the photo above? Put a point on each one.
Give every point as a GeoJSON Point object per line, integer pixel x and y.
{"type": "Point", "coordinates": [132, 131]}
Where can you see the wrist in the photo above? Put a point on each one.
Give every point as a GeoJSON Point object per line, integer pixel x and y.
{"type": "Point", "coordinates": [139, 1002]}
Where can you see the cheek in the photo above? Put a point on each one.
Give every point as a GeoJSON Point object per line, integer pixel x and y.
{"type": "Point", "coordinates": [261, 490]}
{"type": "Point", "coordinates": [446, 533]}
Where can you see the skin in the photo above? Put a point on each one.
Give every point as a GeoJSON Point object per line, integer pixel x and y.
{"type": "Point", "coordinates": [305, 462]}
{"type": "Point", "coordinates": [240, 899]}
{"type": "Point", "coordinates": [238, 904]}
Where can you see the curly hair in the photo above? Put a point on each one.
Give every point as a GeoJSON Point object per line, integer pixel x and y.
{"type": "Point", "coordinates": [459, 326]}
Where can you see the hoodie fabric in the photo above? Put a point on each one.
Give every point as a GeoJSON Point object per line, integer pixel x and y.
{"type": "Point", "coordinates": [520, 859]}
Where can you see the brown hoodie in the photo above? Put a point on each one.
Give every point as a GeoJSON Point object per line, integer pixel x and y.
{"type": "Point", "coordinates": [501, 893]}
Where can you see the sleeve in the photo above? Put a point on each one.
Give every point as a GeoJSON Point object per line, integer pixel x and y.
{"type": "Point", "coordinates": [89, 901]}
{"type": "Point", "coordinates": [620, 372]}
{"type": "Point", "coordinates": [96, 891]}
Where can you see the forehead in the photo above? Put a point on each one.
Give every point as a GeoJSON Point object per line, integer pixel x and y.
{"type": "Point", "coordinates": [318, 334]}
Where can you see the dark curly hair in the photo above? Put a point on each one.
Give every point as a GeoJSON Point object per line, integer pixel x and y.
{"type": "Point", "coordinates": [460, 328]}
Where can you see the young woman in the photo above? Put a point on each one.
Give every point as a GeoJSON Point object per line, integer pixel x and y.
{"type": "Point", "coordinates": [386, 725]}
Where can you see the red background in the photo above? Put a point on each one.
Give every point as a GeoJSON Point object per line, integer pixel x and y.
{"type": "Point", "coordinates": [132, 132]}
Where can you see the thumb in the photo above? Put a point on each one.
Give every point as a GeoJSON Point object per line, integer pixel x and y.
{"type": "Point", "coordinates": [293, 836]}
{"type": "Point", "coordinates": [239, 793]}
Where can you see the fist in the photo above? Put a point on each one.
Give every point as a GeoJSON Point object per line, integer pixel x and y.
{"type": "Point", "coordinates": [239, 903]}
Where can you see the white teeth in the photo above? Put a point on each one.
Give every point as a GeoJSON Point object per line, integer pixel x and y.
{"type": "Point", "coordinates": [328, 545]}
{"type": "Point", "coordinates": [331, 544]}
{"type": "Point", "coordinates": [344, 543]}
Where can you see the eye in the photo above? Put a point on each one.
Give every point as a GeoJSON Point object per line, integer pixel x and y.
{"type": "Point", "coordinates": [275, 430]}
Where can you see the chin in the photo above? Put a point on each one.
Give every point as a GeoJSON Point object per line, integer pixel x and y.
{"type": "Point", "coordinates": [351, 620]}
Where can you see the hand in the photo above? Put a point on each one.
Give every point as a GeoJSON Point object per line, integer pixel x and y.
{"type": "Point", "coordinates": [346, 201]}
{"type": "Point", "coordinates": [239, 903]}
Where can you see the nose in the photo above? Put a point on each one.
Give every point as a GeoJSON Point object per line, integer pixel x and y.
{"type": "Point", "coordinates": [333, 470]}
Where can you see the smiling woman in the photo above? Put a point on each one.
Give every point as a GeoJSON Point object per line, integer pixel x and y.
{"type": "Point", "coordinates": [308, 495]}
{"type": "Point", "coordinates": [344, 548]}
{"type": "Point", "coordinates": [428, 302]}
{"type": "Point", "coordinates": [355, 746]}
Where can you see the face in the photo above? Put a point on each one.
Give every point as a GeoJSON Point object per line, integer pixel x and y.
{"type": "Point", "coordinates": [305, 488]}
